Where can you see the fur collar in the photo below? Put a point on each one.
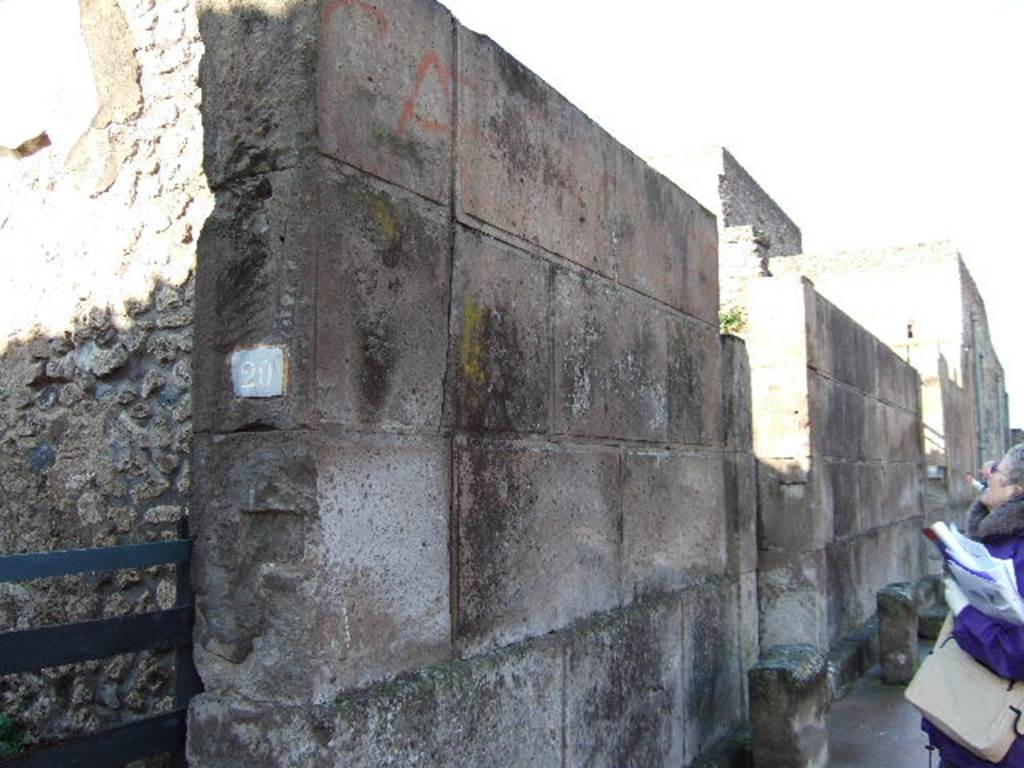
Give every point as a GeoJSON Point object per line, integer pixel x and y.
{"type": "Point", "coordinates": [1006, 520]}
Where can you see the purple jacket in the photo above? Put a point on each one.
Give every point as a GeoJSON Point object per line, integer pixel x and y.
{"type": "Point", "coordinates": [996, 644]}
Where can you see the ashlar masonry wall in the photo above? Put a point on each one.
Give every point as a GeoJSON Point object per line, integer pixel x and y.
{"type": "Point", "coordinates": [922, 302]}
{"type": "Point", "coordinates": [486, 521]}
{"type": "Point", "coordinates": [840, 465]}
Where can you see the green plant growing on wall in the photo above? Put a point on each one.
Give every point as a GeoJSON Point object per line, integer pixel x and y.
{"type": "Point", "coordinates": [10, 737]}
{"type": "Point", "coordinates": [732, 319]}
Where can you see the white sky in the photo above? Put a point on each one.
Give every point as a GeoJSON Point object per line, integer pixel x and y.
{"type": "Point", "coordinates": [876, 122]}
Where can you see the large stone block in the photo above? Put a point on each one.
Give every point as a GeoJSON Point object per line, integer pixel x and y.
{"type": "Point", "coordinates": [500, 357]}
{"type": "Point", "coordinates": [735, 388]}
{"type": "Point", "coordinates": [792, 589]}
{"type": "Point", "coordinates": [781, 412]}
{"type": "Point", "coordinates": [788, 701]}
{"type": "Point", "coordinates": [695, 383]}
{"type": "Point", "coordinates": [254, 516]}
{"type": "Point", "coordinates": [665, 244]}
{"type": "Point", "coordinates": [872, 498]}
{"type": "Point", "coordinates": [854, 356]}
{"type": "Point", "coordinates": [227, 733]}
{"type": "Point", "coordinates": [528, 161]}
{"type": "Point", "coordinates": [499, 709]}
{"type": "Point", "coordinates": [386, 90]}
{"type": "Point", "coordinates": [897, 633]}
{"type": "Point", "coordinates": [712, 691]}
{"type": "Point", "coordinates": [259, 112]}
{"type": "Point", "coordinates": [382, 306]}
{"type": "Point", "coordinates": [610, 362]}
{"type": "Point", "coordinates": [777, 329]}
{"type": "Point", "coordinates": [538, 538]}
{"type": "Point", "coordinates": [623, 701]}
{"type": "Point", "coordinates": [902, 491]}
{"type": "Point", "coordinates": [819, 349]}
{"type": "Point", "coordinates": [791, 516]}
{"type": "Point", "coordinates": [853, 423]}
{"type": "Point", "coordinates": [321, 562]}
{"type": "Point", "coordinates": [673, 518]}
{"type": "Point", "coordinates": [255, 278]}
{"type": "Point", "coordinates": [383, 598]}
{"type": "Point", "coordinates": [847, 509]}
{"type": "Point", "coordinates": [823, 410]}
{"type": "Point", "coordinates": [896, 379]}
{"type": "Point", "coordinates": [741, 512]}
{"type": "Point", "coordinates": [850, 601]}
{"type": "Point", "coordinates": [871, 429]}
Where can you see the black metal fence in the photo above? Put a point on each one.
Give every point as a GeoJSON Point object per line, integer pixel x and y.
{"type": "Point", "coordinates": [34, 649]}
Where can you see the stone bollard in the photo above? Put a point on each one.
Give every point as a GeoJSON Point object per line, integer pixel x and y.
{"type": "Point", "coordinates": [897, 633]}
{"type": "Point", "coordinates": [788, 700]}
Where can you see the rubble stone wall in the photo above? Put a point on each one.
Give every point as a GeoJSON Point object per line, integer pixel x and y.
{"type": "Point", "coordinates": [837, 425]}
{"type": "Point", "coordinates": [487, 521]}
{"type": "Point", "coordinates": [746, 204]}
{"type": "Point", "coordinates": [102, 195]}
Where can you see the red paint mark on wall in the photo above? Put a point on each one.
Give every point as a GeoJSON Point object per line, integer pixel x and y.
{"type": "Point", "coordinates": [368, 8]}
{"type": "Point", "coordinates": [431, 63]}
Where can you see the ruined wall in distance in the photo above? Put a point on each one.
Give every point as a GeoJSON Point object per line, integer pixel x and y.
{"type": "Point", "coordinates": [916, 299]}
{"type": "Point", "coordinates": [746, 204]}
{"type": "Point", "coordinates": [988, 383]}
{"type": "Point", "coordinates": [752, 227]}
{"type": "Point", "coordinates": [102, 194]}
{"type": "Point", "coordinates": [487, 521]}
{"type": "Point", "coordinates": [840, 465]}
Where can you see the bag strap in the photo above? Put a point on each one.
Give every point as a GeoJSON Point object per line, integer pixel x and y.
{"type": "Point", "coordinates": [1016, 723]}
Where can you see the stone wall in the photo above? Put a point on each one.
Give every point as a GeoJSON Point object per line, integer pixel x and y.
{"type": "Point", "coordinates": [746, 204]}
{"type": "Point", "coordinates": [487, 520]}
{"type": "Point", "coordinates": [922, 302]}
{"type": "Point", "coordinates": [836, 433]}
{"type": "Point", "coordinates": [102, 194]}
{"type": "Point", "coordinates": [752, 227]}
{"type": "Point", "coordinates": [988, 382]}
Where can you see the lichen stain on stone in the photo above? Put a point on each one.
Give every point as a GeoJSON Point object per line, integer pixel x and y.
{"type": "Point", "coordinates": [495, 391]}
{"type": "Point", "coordinates": [384, 218]}
{"type": "Point", "coordinates": [473, 352]}
{"type": "Point", "coordinates": [388, 229]}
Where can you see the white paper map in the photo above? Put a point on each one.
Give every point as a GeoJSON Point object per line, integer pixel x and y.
{"type": "Point", "coordinates": [989, 583]}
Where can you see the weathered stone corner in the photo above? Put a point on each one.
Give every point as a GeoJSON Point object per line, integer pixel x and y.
{"type": "Point", "coordinates": [897, 633]}
{"type": "Point", "coordinates": [788, 700]}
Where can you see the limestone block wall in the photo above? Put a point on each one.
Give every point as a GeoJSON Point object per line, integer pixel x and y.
{"type": "Point", "coordinates": [102, 195]}
{"type": "Point", "coordinates": [486, 521]}
{"type": "Point", "coordinates": [840, 465]}
{"type": "Point", "coordinates": [921, 301]}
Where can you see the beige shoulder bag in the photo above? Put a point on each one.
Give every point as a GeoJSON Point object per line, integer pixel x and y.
{"type": "Point", "coordinates": [966, 700]}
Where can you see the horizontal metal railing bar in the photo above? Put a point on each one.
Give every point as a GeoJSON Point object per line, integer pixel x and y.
{"type": "Point", "coordinates": [112, 747]}
{"type": "Point", "coordinates": [32, 649]}
{"type": "Point", "coordinates": [48, 564]}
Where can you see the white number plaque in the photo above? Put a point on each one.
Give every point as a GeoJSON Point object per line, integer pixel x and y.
{"type": "Point", "coordinates": [258, 372]}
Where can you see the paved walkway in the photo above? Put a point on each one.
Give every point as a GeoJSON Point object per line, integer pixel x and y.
{"type": "Point", "coordinates": [873, 726]}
